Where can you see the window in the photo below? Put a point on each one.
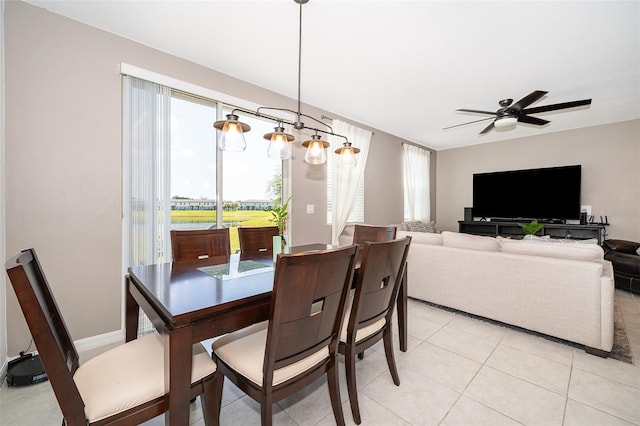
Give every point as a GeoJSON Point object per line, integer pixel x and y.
{"type": "Point", "coordinates": [193, 162]}
{"type": "Point", "coordinates": [356, 215]}
{"type": "Point", "coordinates": [417, 200]}
{"type": "Point", "coordinates": [176, 178]}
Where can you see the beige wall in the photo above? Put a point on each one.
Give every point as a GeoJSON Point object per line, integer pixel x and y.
{"type": "Point", "coordinates": [610, 159]}
{"type": "Point", "coordinates": [63, 151]}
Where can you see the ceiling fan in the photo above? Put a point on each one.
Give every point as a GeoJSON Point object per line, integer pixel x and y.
{"type": "Point", "coordinates": [511, 113]}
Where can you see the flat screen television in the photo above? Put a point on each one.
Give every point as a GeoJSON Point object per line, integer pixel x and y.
{"type": "Point", "coordinates": [545, 194]}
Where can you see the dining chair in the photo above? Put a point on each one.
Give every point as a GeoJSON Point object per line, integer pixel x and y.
{"type": "Point", "coordinates": [256, 242]}
{"type": "Point", "coordinates": [297, 345]}
{"type": "Point", "coordinates": [369, 233]}
{"type": "Point", "coordinates": [365, 233]}
{"type": "Point", "coordinates": [201, 247]}
{"type": "Point", "coordinates": [369, 310]}
{"type": "Point", "coordinates": [124, 385]}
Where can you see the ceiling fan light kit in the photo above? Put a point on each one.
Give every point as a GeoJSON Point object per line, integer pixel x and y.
{"type": "Point", "coordinates": [232, 138]}
{"type": "Point", "coordinates": [503, 122]}
{"type": "Point", "coordinates": [510, 114]}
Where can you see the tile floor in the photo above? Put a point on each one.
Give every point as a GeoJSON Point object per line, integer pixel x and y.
{"type": "Point", "coordinates": [457, 371]}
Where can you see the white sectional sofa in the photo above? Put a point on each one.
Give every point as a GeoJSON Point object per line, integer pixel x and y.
{"type": "Point", "coordinates": [559, 288]}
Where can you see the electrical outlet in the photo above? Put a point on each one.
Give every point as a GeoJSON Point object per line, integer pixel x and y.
{"type": "Point", "coordinates": [310, 208]}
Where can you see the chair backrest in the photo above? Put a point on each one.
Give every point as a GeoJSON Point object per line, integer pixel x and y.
{"type": "Point", "coordinates": [256, 242]}
{"type": "Point", "coordinates": [201, 247]}
{"type": "Point", "coordinates": [368, 233]}
{"type": "Point", "coordinates": [50, 334]}
{"type": "Point", "coordinates": [378, 282]}
{"type": "Point", "coordinates": [307, 305]}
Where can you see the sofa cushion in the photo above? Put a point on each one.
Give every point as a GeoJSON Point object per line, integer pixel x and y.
{"type": "Point", "coordinates": [557, 248]}
{"type": "Point", "coordinates": [422, 237]}
{"type": "Point", "coordinates": [418, 226]}
{"type": "Point", "coordinates": [468, 241]}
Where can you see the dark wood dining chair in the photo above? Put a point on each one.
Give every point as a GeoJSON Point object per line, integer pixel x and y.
{"type": "Point", "coordinates": [369, 312]}
{"type": "Point", "coordinates": [201, 247]}
{"type": "Point", "coordinates": [256, 242]}
{"type": "Point", "coordinates": [368, 233]}
{"type": "Point", "coordinates": [297, 345]}
{"type": "Point", "coordinates": [124, 385]}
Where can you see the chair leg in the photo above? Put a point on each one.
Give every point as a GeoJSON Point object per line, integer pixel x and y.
{"type": "Point", "coordinates": [211, 399]}
{"type": "Point", "coordinates": [352, 388]}
{"type": "Point", "coordinates": [388, 350]}
{"type": "Point", "coordinates": [214, 400]}
{"type": "Point", "coordinates": [266, 410]}
{"type": "Point", "coordinates": [334, 393]}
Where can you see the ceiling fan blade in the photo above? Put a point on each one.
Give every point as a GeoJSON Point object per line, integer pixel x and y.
{"type": "Point", "coordinates": [554, 107]}
{"type": "Point", "coordinates": [475, 111]}
{"type": "Point", "coordinates": [469, 122]}
{"type": "Point", "coordinates": [532, 120]}
{"type": "Point", "coordinates": [486, 129]}
{"type": "Point", "coordinates": [528, 100]}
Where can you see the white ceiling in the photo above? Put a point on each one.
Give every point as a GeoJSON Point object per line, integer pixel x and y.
{"type": "Point", "coordinates": [404, 67]}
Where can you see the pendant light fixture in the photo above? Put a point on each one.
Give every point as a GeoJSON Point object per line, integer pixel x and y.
{"type": "Point", "coordinates": [279, 143]}
{"type": "Point", "coordinates": [232, 130]}
{"type": "Point", "coordinates": [316, 150]}
{"type": "Point", "coordinates": [347, 154]}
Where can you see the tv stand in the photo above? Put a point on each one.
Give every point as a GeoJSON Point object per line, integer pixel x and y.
{"type": "Point", "coordinates": [513, 229]}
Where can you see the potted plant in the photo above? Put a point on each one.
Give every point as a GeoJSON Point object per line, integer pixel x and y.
{"type": "Point", "coordinates": [531, 228]}
{"type": "Point", "coordinates": [279, 216]}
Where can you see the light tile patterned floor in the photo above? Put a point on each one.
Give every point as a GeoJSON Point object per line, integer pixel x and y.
{"type": "Point", "coordinates": [457, 371]}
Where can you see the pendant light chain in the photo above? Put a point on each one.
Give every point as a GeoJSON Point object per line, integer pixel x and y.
{"type": "Point", "coordinates": [232, 130]}
{"type": "Point", "coordinates": [299, 125]}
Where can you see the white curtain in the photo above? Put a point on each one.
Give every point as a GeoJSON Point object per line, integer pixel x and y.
{"type": "Point", "coordinates": [146, 161]}
{"type": "Point", "coordinates": [345, 180]}
{"type": "Point", "coordinates": [416, 183]}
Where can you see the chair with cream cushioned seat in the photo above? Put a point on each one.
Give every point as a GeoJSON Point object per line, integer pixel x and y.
{"type": "Point", "coordinates": [298, 344]}
{"type": "Point", "coordinates": [364, 233]}
{"type": "Point", "coordinates": [370, 308]}
{"type": "Point", "coordinates": [256, 242]}
{"type": "Point", "coordinates": [200, 247]}
{"type": "Point", "coordinates": [123, 385]}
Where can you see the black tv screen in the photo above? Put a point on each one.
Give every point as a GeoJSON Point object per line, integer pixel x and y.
{"type": "Point", "coordinates": [551, 193]}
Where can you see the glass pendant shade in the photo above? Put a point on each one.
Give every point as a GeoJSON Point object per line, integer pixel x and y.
{"type": "Point", "coordinates": [505, 122]}
{"type": "Point", "coordinates": [316, 153]}
{"type": "Point", "coordinates": [232, 137]}
{"type": "Point", "coordinates": [347, 155]}
{"type": "Point", "coordinates": [279, 144]}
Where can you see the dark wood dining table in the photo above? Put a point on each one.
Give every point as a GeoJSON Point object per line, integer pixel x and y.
{"type": "Point", "coordinates": [192, 304]}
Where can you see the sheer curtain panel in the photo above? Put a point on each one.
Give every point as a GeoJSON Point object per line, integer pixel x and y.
{"type": "Point", "coordinates": [417, 202]}
{"type": "Point", "coordinates": [146, 157]}
{"type": "Point", "coordinates": [345, 180]}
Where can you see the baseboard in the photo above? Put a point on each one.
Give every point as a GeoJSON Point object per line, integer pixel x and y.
{"type": "Point", "coordinates": [94, 342]}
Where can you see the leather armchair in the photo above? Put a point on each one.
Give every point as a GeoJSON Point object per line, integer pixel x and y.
{"type": "Point", "coordinates": [626, 263]}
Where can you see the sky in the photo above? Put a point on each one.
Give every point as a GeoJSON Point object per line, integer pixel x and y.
{"type": "Point", "coordinates": [193, 156]}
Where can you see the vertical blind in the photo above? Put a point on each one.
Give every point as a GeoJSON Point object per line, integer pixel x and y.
{"type": "Point", "coordinates": [147, 197]}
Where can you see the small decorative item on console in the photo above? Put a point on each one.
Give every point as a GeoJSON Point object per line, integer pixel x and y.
{"type": "Point", "coordinates": [531, 228]}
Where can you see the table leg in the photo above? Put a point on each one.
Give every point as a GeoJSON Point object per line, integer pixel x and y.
{"type": "Point", "coordinates": [179, 376]}
{"type": "Point", "coordinates": [132, 310]}
{"type": "Point", "coordinates": [402, 311]}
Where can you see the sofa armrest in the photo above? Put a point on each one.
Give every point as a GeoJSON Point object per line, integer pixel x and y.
{"type": "Point", "coordinates": [621, 246]}
{"type": "Point", "coordinates": [628, 264]}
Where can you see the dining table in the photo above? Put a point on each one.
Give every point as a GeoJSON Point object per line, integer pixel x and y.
{"type": "Point", "coordinates": [192, 304]}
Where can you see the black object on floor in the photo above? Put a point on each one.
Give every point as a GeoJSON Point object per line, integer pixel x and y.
{"type": "Point", "coordinates": [26, 370]}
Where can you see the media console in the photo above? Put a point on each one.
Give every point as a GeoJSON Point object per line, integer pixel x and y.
{"type": "Point", "coordinates": [513, 229]}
